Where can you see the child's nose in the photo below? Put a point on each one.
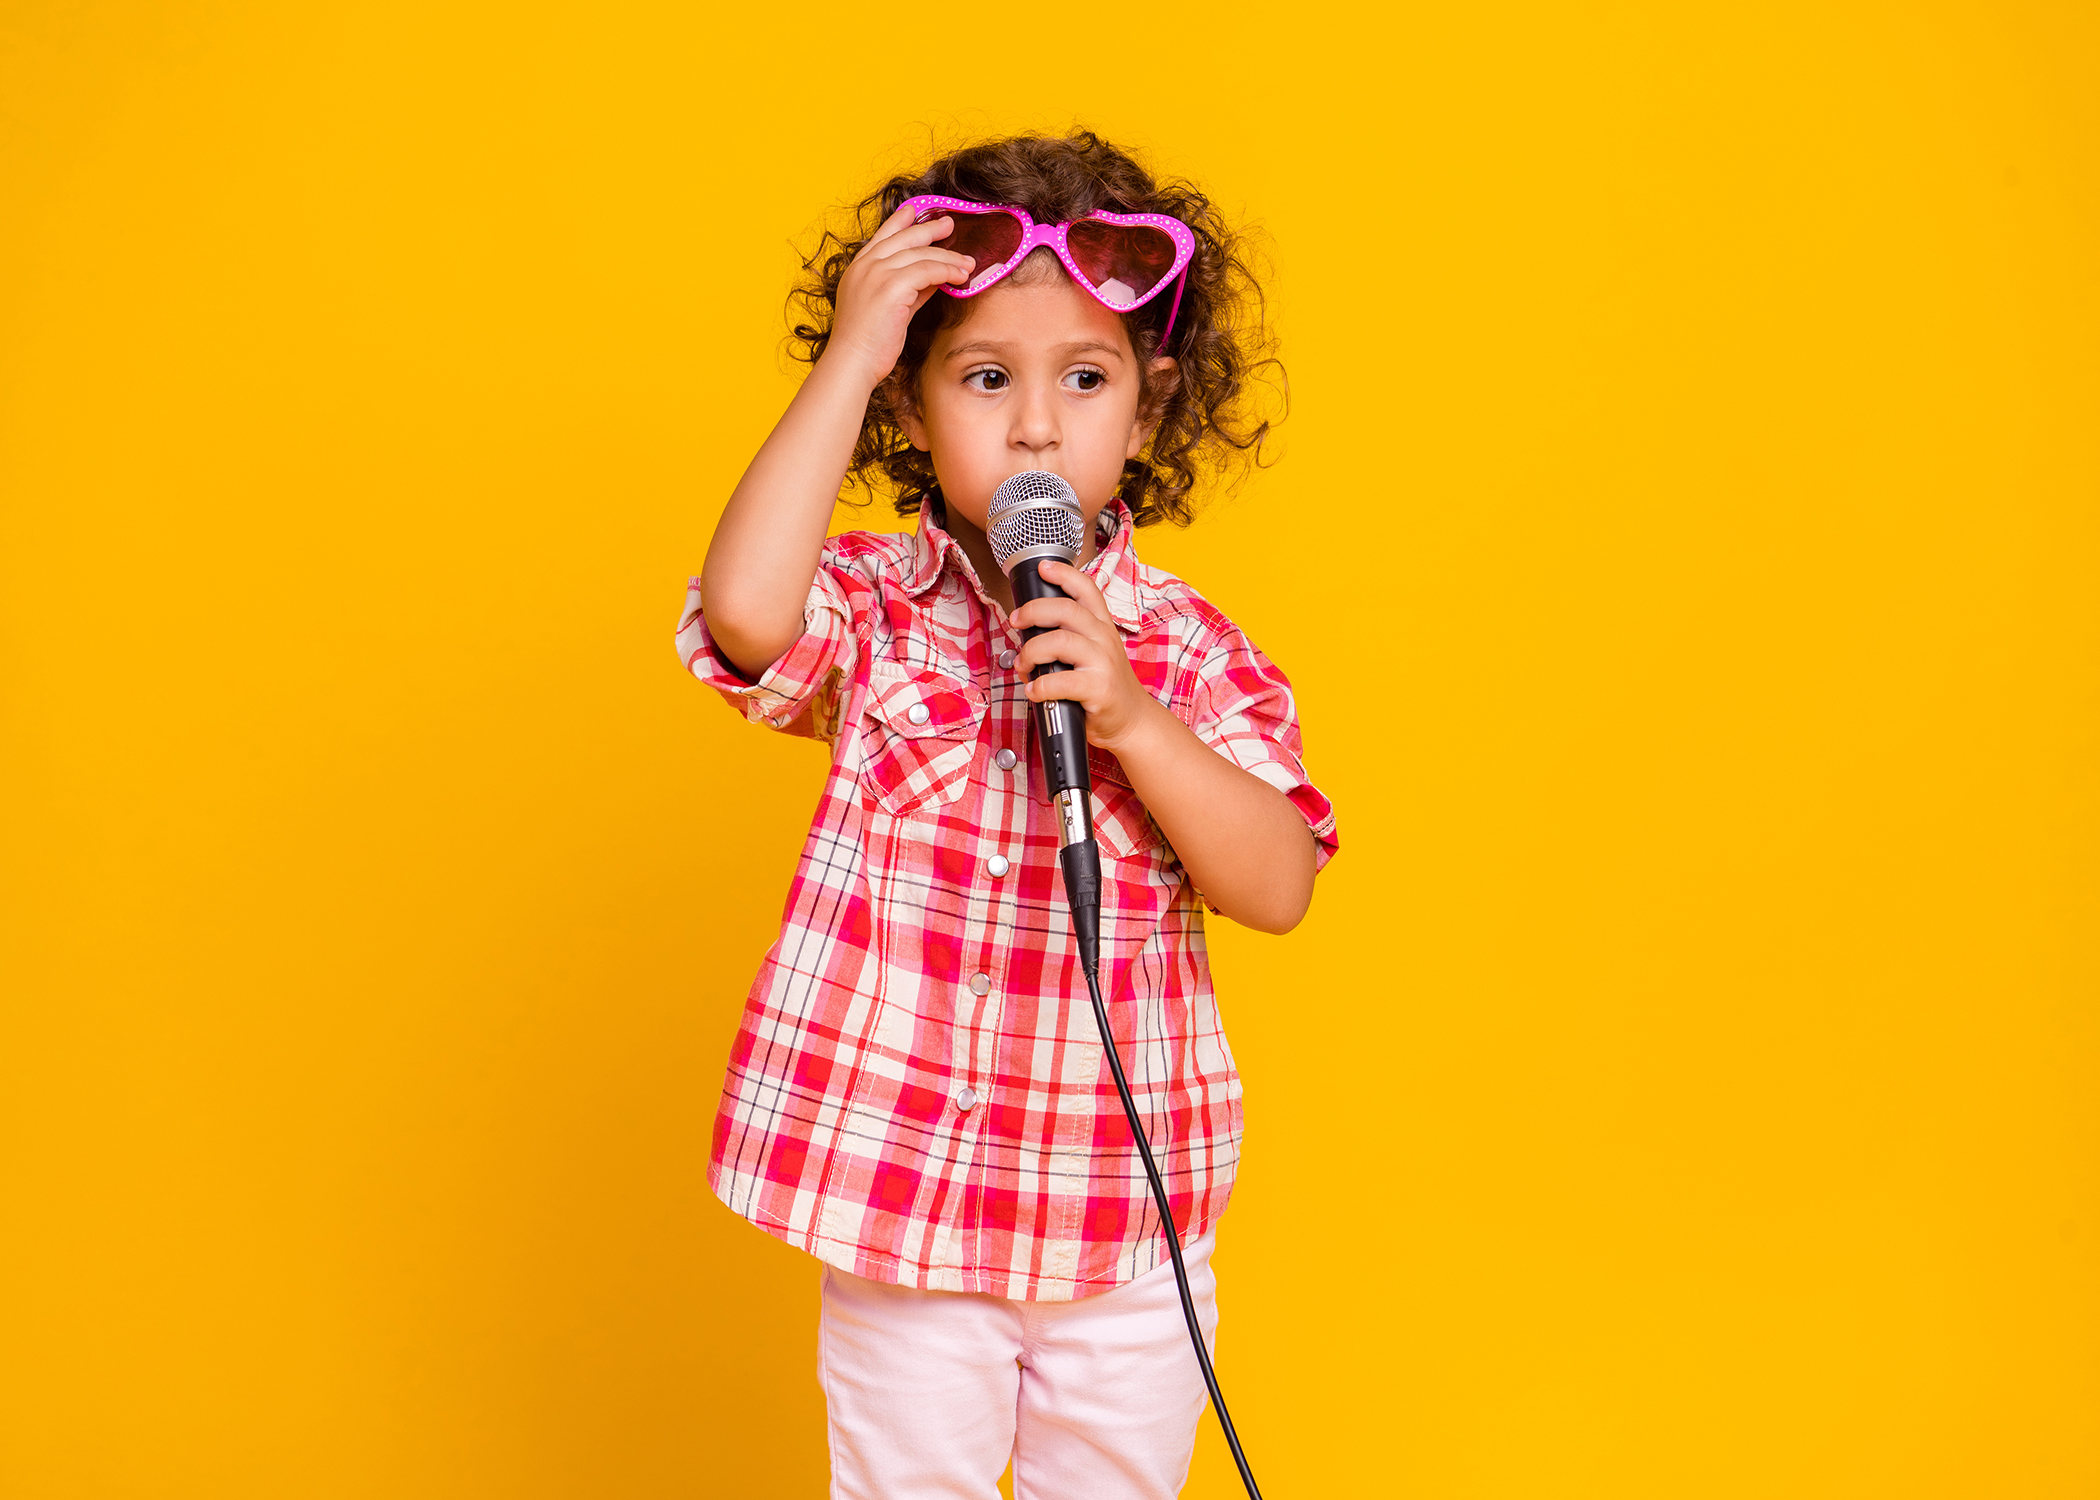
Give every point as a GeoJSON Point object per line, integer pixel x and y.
{"type": "Point", "coordinates": [1035, 422]}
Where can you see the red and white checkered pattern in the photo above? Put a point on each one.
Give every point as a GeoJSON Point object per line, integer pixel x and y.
{"type": "Point", "coordinates": [916, 1093]}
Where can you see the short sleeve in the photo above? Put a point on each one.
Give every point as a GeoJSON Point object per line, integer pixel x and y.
{"type": "Point", "coordinates": [804, 678]}
{"type": "Point", "coordinates": [1245, 710]}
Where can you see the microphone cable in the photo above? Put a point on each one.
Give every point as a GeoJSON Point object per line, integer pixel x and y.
{"type": "Point", "coordinates": [1034, 517]}
{"type": "Point", "coordinates": [1086, 924]}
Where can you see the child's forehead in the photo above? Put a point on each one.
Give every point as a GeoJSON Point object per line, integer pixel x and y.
{"type": "Point", "coordinates": [1047, 317]}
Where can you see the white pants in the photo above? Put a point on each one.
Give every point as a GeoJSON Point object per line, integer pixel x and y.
{"type": "Point", "coordinates": [927, 1394]}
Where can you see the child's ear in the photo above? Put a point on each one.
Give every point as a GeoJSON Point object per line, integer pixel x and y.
{"type": "Point", "coordinates": [1162, 380]}
{"type": "Point", "coordinates": [902, 399]}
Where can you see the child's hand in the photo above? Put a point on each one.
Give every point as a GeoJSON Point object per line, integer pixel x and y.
{"type": "Point", "coordinates": [1118, 709]}
{"type": "Point", "coordinates": [889, 280]}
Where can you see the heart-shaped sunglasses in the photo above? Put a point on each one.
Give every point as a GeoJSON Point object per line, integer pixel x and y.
{"type": "Point", "coordinates": [1123, 260]}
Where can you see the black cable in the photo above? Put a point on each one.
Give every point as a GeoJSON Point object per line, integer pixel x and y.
{"type": "Point", "coordinates": [1166, 1216]}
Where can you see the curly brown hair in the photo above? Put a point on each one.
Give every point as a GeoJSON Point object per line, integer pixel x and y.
{"type": "Point", "coordinates": [1223, 349]}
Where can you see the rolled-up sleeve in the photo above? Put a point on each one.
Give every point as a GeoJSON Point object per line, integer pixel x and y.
{"type": "Point", "coordinates": [784, 693]}
{"type": "Point", "coordinates": [1245, 710]}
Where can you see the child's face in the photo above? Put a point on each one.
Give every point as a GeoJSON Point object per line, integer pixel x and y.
{"type": "Point", "coordinates": [1037, 376]}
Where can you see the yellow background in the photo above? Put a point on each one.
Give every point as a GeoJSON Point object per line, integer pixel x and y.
{"type": "Point", "coordinates": [1688, 1081]}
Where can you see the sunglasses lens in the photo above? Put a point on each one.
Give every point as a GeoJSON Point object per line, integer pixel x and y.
{"type": "Point", "coordinates": [1123, 261]}
{"type": "Point", "coordinates": [989, 239]}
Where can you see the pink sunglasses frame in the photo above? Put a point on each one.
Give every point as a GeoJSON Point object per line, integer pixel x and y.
{"type": "Point", "coordinates": [1055, 236]}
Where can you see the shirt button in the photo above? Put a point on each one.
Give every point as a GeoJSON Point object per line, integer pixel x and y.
{"type": "Point", "coordinates": [919, 714]}
{"type": "Point", "coordinates": [1006, 659]}
{"type": "Point", "coordinates": [997, 865]}
{"type": "Point", "coordinates": [980, 984]}
{"type": "Point", "coordinates": [966, 1098]}
{"type": "Point", "coordinates": [1005, 760]}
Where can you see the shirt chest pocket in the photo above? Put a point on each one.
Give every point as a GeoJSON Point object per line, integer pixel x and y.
{"type": "Point", "coordinates": [918, 738]}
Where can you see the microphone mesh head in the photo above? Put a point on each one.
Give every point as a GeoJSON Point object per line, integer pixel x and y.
{"type": "Point", "coordinates": [1033, 512]}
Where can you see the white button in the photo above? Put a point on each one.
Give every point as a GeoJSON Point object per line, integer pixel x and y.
{"type": "Point", "coordinates": [997, 864]}
{"type": "Point", "coordinates": [1005, 759]}
{"type": "Point", "coordinates": [1006, 658]}
{"type": "Point", "coordinates": [980, 984]}
{"type": "Point", "coordinates": [966, 1098]}
{"type": "Point", "coordinates": [919, 714]}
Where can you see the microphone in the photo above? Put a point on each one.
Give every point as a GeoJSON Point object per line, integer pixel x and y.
{"type": "Point", "coordinates": [1034, 517]}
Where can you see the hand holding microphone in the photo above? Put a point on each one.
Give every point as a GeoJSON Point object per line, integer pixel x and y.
{"type": "Point", "coordinates": [1075, 633]}
{"type": "Point", "coordinates": [1035, 519]}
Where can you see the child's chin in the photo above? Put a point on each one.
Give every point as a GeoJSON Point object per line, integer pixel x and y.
{"type": "Point", "coordinates": [975, 510]}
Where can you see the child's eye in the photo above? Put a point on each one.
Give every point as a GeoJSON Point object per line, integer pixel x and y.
{"type": "Point", "coordinates": [1086, 380]}
{"type": "Point", "coordinates": [987, 380]}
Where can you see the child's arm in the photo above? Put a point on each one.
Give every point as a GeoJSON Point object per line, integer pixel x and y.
{"type": "Point", "coordinates": [1246, 847]}
{"type": "Point", "coordinates": [766, 545]}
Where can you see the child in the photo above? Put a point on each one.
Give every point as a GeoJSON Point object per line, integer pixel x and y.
{"type": "Point", "coordinates": [916, 1095]}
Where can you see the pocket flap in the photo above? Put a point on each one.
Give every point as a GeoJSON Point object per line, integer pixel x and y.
{"type": "Point", "coordinates": [1105, 768]}
{"type": "Point", "coordinates": [924, 704]}
{"type": "Point", "coordinates": [1121, 822]}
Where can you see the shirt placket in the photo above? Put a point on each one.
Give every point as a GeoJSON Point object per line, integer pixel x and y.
{"type": "Point", "coordinates": [1001, 773]}
{"type": "Point", "coordinates": [980, 996]}
{"type": "Point", "coordinates": [1061, 1173]}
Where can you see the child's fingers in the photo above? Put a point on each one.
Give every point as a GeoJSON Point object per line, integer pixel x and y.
{"type": "Point", "coordinates": [932, 267]}
{"type": "Point", "coordinates": [1079, 586]}
{"type": "Point", "coordinates": [1088, 688]}
{"type": "Point", "coordinates": [895, 224]}
{"type": "Point", "coordinates": [888, 242]}
{"type": "Point", "coordinates": [1079, 685]}
{"type": "Point", "coordinates": [1059, 614]}
{"type": "Point", "coordinates": [920, 267]}
{"type": "Point", "coordinates": [1068, 646]}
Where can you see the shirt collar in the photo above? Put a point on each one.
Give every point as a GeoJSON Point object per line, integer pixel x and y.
{"type": "Point", "coordinates": [1114, 568]}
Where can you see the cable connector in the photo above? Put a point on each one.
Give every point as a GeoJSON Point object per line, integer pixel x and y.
{"type": "Point", "coordinates": [1082, 866]}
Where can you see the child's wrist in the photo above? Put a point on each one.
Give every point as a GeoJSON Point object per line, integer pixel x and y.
{"type": "Point", "coordinates": [1148, 738]}
{"type": "Point", "coordinates": [848, 367]}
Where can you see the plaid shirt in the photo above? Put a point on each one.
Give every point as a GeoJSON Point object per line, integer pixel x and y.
{"type": "Point", "coordinates": [917, 1091]}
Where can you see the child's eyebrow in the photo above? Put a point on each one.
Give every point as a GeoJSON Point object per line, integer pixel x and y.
{"type": "Point", "coordinates": [999, 346]}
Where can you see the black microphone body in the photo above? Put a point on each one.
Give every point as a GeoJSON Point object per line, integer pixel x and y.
{"type": "Point", "coordinates": [1060, 735]}
{"type": "Point", "coordinates": [1022, 546]}
{"type": "Point", "coordinates": [1063, 737]}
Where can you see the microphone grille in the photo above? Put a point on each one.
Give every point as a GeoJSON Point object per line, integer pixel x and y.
{"type": "Point", "coordinates": [1034, 513]}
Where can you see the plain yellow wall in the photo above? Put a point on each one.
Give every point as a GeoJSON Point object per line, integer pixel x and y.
{"type": "Point", "coordinates": [1688, 1081]}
